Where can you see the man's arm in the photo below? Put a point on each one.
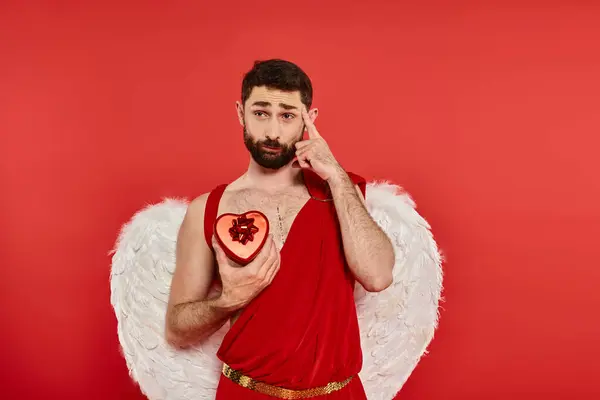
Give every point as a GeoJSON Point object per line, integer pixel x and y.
{"type": "Point", "coordinates": [369, 251]}
{"type": "Point", "coordinates": [191, 316]}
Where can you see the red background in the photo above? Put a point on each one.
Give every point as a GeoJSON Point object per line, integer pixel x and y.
{"type": "Point", "coordinates": [486, 114]}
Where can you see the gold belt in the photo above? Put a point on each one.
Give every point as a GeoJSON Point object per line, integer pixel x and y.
{"type": "Point", "coordinates": [281, 393]}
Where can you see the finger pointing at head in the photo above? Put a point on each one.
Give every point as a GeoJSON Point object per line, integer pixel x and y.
{"type": "Point", "coordinates": [310, 126]}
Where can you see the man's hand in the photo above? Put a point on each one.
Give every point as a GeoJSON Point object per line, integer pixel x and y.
{"type": "Point", "coordinates": [315, 154]}
{"type": "Point", "coordinates": [242, 284]}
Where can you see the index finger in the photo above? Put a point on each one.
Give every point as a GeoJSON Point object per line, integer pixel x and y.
{"type": "Point", "coordinates": [310, 126]}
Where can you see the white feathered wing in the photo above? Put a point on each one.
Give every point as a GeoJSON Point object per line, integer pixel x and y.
{"type": "Point", "coordinates": [396, 325]}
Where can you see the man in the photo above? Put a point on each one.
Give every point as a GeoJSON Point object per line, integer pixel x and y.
{"type": "Point", "coordinates": [294, 331]}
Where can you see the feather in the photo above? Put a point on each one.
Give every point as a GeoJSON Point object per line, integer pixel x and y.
{"type": "Point", "coordinates": [396, 324]}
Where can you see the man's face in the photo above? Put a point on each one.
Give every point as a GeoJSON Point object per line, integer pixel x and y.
{"type": "Point", "coordinates": [272, 122]}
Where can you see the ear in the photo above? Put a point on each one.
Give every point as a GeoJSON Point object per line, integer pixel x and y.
{"type": "Point", "coordinates": [240, 112]}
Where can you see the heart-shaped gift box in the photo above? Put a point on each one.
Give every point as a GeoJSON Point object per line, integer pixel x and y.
{"type": "Point", "coordinates": [242, 236]}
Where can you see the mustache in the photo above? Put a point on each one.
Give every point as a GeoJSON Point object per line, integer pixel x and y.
{"type": "Point", "coordinates": [271, 143]}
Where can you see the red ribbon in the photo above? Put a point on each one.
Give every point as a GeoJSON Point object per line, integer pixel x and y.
{"type": "Point", "coordinates": [243, 229]}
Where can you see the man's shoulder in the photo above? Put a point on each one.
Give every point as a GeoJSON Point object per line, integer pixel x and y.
{"type": "Point", "coordinates": [197, 205]}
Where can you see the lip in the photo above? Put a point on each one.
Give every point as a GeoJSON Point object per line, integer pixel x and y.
{"type": "Point", "coordinates": [273, 149]}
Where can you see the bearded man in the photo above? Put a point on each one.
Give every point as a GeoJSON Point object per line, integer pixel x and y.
{"type": "Point", "coordinates": [294, 330]}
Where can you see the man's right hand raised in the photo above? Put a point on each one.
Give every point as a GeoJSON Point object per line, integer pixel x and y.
{"type": "Point", "coordinates": [241, 284]}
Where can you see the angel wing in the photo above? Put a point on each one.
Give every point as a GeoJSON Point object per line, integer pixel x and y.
{"type": "Point", "coordinates": [396, 325]}
{"type": "Point", "coordinates": [143, 263]}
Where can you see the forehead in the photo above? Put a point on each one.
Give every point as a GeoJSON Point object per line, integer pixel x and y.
{"type": "Point", "coordinates": [274, 96]}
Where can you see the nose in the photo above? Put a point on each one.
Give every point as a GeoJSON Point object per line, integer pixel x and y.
{"type": "Point", "coordinates": [273, 130]}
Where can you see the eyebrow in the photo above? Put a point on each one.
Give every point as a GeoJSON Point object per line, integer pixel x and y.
{"type": "Point", "coordinates": [268, 104]}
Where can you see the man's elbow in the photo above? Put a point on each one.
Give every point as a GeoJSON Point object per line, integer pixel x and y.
{"type": "Point", "coordinates": [379, 284]}
{"type": "Point", "coordinates": [173, 335]}
{"type": "Point", "coordinates": [172, 338]}
{"type": "Point", "coordinates": [177, 340]}
{"type": "Point", "coordinates": [384, 278]}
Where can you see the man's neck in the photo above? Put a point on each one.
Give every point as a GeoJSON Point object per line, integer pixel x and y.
{"type": "Point", "coordinates": [272, 180]}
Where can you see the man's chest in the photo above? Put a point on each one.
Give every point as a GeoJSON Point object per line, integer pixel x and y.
{"type": "Point", "coordinates": [281, 210]}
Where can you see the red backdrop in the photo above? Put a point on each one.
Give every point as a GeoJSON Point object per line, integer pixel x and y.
{"type": "Point", "coordinates": [486, 114]}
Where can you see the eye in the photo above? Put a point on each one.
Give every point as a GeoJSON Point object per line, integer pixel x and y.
{"type": "Point", "coordinates": [261, 114]}
{"type": "Point", "coordinates": [289, 116]}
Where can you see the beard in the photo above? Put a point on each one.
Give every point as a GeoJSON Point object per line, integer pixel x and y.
{"type": "Point", "coordinates": [268, 159]}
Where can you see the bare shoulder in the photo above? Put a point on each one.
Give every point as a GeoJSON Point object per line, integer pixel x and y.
{"type": "Point", "coordinates": [192, 227]}
{"type": "Point", "coordinates": [193, 260]}
{"type": "Point", "coordinates": [198, 205]}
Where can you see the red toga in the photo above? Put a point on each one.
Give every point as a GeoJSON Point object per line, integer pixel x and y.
{"type": "Point", "coordinates": [301, 332]}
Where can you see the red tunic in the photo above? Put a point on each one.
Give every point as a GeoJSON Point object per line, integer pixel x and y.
{"type": "Point", "coordinates": [301, 331]}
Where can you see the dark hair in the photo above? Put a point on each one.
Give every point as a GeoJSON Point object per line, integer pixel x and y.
{"type": "Point", "coordinates": [278, 74]}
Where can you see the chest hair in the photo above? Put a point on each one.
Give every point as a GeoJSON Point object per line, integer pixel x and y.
{"type": "Point", "coordinates": [281, 209]}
